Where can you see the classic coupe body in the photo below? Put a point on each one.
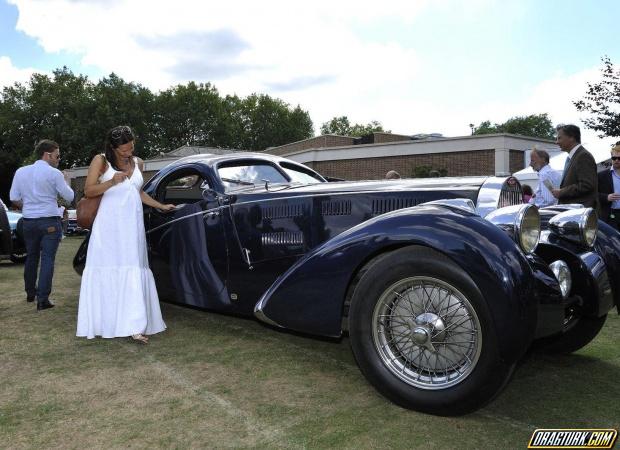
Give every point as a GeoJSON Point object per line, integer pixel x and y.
{"type": "Point", "coordinates": [441, 284]}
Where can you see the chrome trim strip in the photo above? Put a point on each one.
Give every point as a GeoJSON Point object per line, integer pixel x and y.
{"type": "Point", "coordinates": [260, 314]}
{"type": "Point", "coordinates": [204, 212]}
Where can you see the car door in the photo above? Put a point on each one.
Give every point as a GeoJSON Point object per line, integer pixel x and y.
{"type": "Point", "coordinates": [187, 246]}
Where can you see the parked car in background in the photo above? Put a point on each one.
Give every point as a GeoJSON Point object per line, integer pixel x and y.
{"type": "Point", "coordinates": [442, 284]}
{"type": "Point", "coordinates": [12, 244]}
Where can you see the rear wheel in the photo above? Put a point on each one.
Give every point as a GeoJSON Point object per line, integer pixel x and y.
{"type": "Point", "coordinates": [422, 335]}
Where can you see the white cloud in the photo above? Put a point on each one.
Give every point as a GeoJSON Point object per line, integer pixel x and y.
{"type": "Point", "coordinates": [307, 53]}
{"type": "Point", "coordinates": [10, 74]}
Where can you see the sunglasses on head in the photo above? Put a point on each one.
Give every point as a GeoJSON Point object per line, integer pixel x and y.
{"type": "Point", "coordinates": [615, 158]}
{"type": "Point", "coordinates": [118, 132]}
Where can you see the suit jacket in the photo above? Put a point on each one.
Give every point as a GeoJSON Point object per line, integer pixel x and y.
{"type": "Point", "coordinates": [580, 183]}
{"type": "Point", "coordinates": [605, 187]}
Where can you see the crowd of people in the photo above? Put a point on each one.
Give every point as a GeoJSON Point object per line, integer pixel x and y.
{"type": "Point", "coordinates": [118, 297]}
{"type": "Point", "coordinates": [579, 182]}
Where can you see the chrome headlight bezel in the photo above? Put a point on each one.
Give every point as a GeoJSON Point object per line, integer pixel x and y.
{"type": "Point", "coordinates": [521, 222]}
{"type": "Point", "coordinates": [561, 271]}
{"type": "Point", "coordinates": [576, 225]}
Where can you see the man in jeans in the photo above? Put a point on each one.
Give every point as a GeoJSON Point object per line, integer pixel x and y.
{"type": "Point", "coordinates": [35, 190]}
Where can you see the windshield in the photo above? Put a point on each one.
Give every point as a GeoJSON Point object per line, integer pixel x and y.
{"type": "Point", "coordinates": [234, 177]}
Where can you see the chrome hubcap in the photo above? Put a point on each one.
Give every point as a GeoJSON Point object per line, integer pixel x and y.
{"type": "Point", "coordinates": [426, 332]}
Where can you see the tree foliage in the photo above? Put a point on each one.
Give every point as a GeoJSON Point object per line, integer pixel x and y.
{"type": "Point", "coordinates": [534, 125]}
{"type": "Point", "coordinates": [76, 113]}
{"type": "Point", "coordinates": [602, 100]}
{"type": "Point", "coordinates": [342, 127]}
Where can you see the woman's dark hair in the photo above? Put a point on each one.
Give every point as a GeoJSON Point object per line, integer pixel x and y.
{"type": "Point", "coordinates": [114, 138]}
{"type": "Point", "coordinates": [527, 189]}
{"type": "Point", "coordinates": [44, 146]}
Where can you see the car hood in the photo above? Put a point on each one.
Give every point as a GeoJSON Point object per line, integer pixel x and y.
{"type": "Point", "coordinates": [401, 185]}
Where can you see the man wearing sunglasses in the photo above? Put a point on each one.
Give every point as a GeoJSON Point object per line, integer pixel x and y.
{"type": "Point", "coordinates": [35, 191]}
{"type": "Point", "coordinates": [609, 189]}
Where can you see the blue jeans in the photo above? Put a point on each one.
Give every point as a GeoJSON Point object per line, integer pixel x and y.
{"type": "Point", "coordinates": [42, 237]}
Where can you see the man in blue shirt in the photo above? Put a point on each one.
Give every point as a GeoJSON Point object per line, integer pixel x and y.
{"type": "Point", "coordinates": [609, 190]}
{"type": "Point", "coordinates": [35, 191]}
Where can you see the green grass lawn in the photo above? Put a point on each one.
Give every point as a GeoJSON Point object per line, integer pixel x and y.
{"type": "Point", "coordinates": [217, 381]}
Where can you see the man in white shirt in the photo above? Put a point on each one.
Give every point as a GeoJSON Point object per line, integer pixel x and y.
{"type": "Point", "coordinates": [547, 179]}
{"type": "Point", "coordinates": [35, 190]}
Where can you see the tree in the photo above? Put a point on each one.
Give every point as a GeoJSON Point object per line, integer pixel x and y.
{"type": "Point", "coordinates": [259, 121]}
{"type": "Point", "coordinates": [77, 113]}
{"type": "Point", "coordinates": [534, 125]}
{"type": "Point", "coordinates": [342, 127]}
{"type": "Point", "coordinates": [602, 100]}
{"type": "Point", "coordinates": [189, 114]}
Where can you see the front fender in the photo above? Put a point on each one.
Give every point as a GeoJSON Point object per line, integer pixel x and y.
{"type": "Point", "coordinates": [310, 296]}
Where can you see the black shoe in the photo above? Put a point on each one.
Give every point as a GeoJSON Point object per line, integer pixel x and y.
{"type": "Point", "coordinates": [44, 305]}
{"type": "Point", "coordinates": [30, 299]}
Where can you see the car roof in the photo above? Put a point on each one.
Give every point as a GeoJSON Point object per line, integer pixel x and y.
{"type": "Point", "coordinates": [212, 159]}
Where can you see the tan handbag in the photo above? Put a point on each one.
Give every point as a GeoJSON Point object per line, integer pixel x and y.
{"type": "Point", "coordinates": [87, 207]}
{"type": "Point", "coordinates": [86, 211]}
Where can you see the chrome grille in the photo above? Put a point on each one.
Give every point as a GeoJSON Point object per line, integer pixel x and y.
{"type": "Point", "coordinates": [510, 195]}
{"type": "Point", "coordinates": [283, 238]}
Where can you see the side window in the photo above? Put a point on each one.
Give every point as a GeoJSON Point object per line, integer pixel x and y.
{"type": "Point", "coordinates": [300, 174]}
{"type": "Point", "coordinates": [237, 176]}
{"type": "Point", "coordinates": [182, 187]}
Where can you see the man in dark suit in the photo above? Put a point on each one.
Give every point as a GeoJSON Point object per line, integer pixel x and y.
{"type": "Point", "coordinates": [609, 190]}
{"type": "Point", "coordinates": [579, 180]}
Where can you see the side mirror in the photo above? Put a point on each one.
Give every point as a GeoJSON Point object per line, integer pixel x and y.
{"type": "Point", "coordinates": [209, 194]}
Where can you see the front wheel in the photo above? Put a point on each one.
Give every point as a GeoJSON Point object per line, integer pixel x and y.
{"type": "Point", "coordinates": [421, 333]}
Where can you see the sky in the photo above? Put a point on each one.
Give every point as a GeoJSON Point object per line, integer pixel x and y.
{"type": "Point", "coordinates": [416, 66]}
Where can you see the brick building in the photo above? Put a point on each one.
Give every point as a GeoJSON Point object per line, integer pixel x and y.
{"type": "Point", "coordinates": [372, 156]}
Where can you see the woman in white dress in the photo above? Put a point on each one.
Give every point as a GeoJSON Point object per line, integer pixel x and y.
{"type": "Point", "coordinates": [118, 296]}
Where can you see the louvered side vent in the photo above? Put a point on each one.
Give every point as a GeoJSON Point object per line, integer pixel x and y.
{"type": "Point", "coordinates": [283, 238]}
{"type": "Point", "coordinates": [383, 205]}
{"type": "Point", "coordinates": [282, 211]}
{"type": "Point", "coordinates": [510, 195]}
{"type": "Point", "coordinates": [336, 208]}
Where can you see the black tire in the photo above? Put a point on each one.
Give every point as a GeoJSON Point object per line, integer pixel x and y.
{"type": "Point", "coordinates": [579, 332]}
{"type": "Point", "coordinates": [18, 258]}
{"type": "Point", "coordinates": [481, 381]}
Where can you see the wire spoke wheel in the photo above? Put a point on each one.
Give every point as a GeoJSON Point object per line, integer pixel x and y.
{"type": "Point", "coordinates": [426, 332]}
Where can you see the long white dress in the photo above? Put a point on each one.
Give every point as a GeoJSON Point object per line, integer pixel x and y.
{"type": "Point", "coordinates": [118, 296]}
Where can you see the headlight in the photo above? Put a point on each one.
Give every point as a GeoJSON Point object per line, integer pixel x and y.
{"type": "Point", "coordinates": [521, 222]}
{"type": "Point", "coordinates": [562, 273]}
{"type": "Point", "coordinates": [577, 225]}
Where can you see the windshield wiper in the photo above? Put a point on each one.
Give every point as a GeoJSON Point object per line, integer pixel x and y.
{"type": "Point", "coordinates": [232, 180]}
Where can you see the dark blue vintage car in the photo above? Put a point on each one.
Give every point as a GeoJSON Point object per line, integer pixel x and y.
{"type": "Point", "coordinates": [441, 284]}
